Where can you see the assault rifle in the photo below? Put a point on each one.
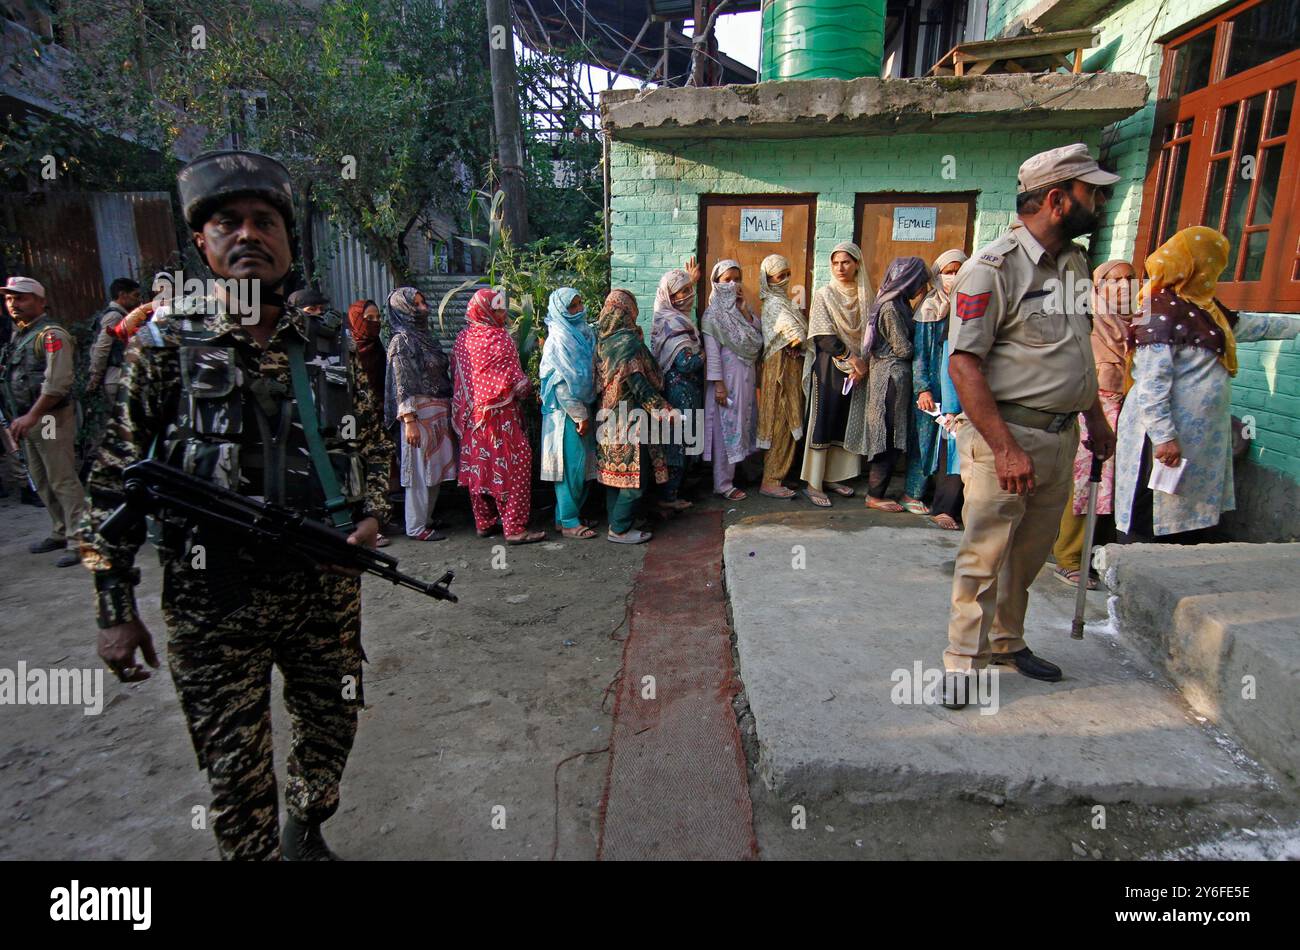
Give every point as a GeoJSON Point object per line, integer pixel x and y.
{"type": "Point", "coordinates": [152, 488]}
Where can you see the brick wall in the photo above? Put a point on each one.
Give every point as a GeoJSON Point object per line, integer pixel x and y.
{"type": "Point", "coordinates": [654, 203]}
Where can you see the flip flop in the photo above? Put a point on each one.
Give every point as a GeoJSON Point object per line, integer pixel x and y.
{"type": "Point", "coordinates": [817, 498]}
{"type": "Point", "coordinates": [677, 504]}
{"type": "Point", "coordinates": [383, 541]}
{"type": "Point", "coordinates": [844, 491]}
{"type": "Point", "coordinates": [582, 533]}
{"type": "Point", "coordinates": [781, 492]}
{"type": "Point", "coordinates": [734, 494]}
{"type": "Point", "coordinates": [631, 536]}
{"type": "Point", "coordinates": [495, 529]}
{"type": "Point", "coordinates": [916, 507]}
{"type": "Point", "coordinates": [877, 505]}
{"type": "Point", "coordinates": [528, 537]}
{"type": "Point", "coordinates": [1072, 578]}
{"type": "Point", "coordinates": [946, 522]}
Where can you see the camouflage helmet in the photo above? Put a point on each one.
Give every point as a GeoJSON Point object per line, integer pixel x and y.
{"type": "Point", "coordinates": [218, 176]}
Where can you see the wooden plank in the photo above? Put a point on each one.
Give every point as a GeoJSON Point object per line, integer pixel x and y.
{"type": "Point", "coordinates": [1039, 44]}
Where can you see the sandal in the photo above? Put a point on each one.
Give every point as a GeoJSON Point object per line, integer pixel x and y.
{"type": "Point", "coordinates": [630, 536]}
{"type": "Point", "coordinates": [677, 504]}
{"type": "Point", "coordinates": [818, 498]}
{"type": "Point", "coordinates": [844, 491]}
{"type": "Point", "coordinates": [781, 492]}
{"type": "Point", "coordinates": [947, 522]}
{"type": "Point", "coordinates": [886, 504]}
{"type": "Point", "coordinates": [495, 529]}
{"type": "Point", "coordinates": [581, 532]}
{"type": "Point", "coordinates": [1072, 578]}
{"type": "Point", "coordinates": [382, 540]}
{"type": "Point", "coordinates": [915, 507]}
{"type": "Point", "coordinates": [734, 494]}
{"type": "Point", "coordinates": [528, 537]}
{"type": "Point", "coordinates": [429, 534]}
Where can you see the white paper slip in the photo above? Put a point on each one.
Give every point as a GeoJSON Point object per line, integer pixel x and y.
{"type": "Point", "coordinates": [936, 412]}
{"type": "Point", "coordinates": [1164, 477]}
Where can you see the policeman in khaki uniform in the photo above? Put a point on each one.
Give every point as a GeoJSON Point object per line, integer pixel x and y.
{"type": "Point", "coordinates": [36, 387]}
{"type": "Point", "coordinates": [268, 405]}
{"type": "Point", "coordinates": [1023, 368]}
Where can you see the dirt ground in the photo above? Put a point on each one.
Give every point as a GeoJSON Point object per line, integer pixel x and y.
{"type": "Point", "coordinates": [469, 707]}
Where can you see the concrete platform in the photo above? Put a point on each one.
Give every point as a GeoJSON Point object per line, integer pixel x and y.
{"type": "Point", "coordinates": [1223, 621]}
{"type": "Point", "coordinates": [825, 617]}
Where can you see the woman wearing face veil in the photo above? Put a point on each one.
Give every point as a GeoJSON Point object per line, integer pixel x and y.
{"type": "Point", "coordinates": [780, 407]}
{"type": "Point", "coordinates": [733, 341]}
{"type": "Point", "coordinates": [837, 420]}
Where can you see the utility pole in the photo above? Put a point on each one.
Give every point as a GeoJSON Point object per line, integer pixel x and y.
{"type": "Point", "coordinates": [505, 106]}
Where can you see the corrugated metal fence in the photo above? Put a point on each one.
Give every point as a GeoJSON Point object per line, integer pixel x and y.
{"type": "Point", "coordinates": [350, 273]}
{"type": "Point", "coordinates": [77, 243]}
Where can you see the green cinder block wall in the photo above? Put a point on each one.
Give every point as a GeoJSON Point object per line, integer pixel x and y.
{"type": "Point", "coordinates": [655, 191]}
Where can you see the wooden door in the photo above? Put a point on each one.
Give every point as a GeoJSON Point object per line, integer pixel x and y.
{"type": "Point", "coordinates": [911, 225]}
{"type": "Point", "coordinates": [747, 228]}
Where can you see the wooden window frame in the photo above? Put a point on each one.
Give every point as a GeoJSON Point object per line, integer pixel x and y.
{"type": "Point", "coordinates": [1278, 287]}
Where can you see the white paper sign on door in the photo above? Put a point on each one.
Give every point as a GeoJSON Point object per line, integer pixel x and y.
{"type": "Point", "coordinates": [761, 224]}
{"type": "Point", "coordinates": [915, 224]}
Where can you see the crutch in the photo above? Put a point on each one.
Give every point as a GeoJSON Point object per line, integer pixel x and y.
{"type": "Point", "coordinates": [1085, 558]}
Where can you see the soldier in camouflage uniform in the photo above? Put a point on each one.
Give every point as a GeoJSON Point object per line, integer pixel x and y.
{"type": "Point", "coordinates": [214, 395]}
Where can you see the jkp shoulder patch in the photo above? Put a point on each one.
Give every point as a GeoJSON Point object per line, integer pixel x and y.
{"type": "Point", "coordinates": [972, 306]}
{"type": "Point", "coordinates": [992, 258]}
{"type": "Point", "coordinates": [52, 343]}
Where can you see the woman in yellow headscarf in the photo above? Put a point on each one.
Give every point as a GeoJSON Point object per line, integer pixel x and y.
{"type": "Point", "coordinates": [1182, 355]}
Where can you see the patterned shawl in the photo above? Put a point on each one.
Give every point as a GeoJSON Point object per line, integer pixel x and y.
{"type": "Point", "coordinates": [487, 377]}
{"type": "Point", "coordinates": [725, 323]}
{"type": "Point", "coordinates": [620, 348]}
{"type": "Point", "coordinates": [1177, 304]}
{"type": "Point", "coordinates": [673, 330]}
{"type": "Point", "coordinates": [838, 310]}
{"type": "Point", "coordinates": [936, 303]}
{"type": "Point", "coordinates": [783, 323]}
{"type": "Point", "coordinates": [903, 278]}
{"type": "Point", "coordinates": [570, 349]}
{"type": "Point", "coordinates": [417, 365]}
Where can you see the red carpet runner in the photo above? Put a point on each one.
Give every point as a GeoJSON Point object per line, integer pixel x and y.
{"type": "Point", "coordinates": [677, 787]}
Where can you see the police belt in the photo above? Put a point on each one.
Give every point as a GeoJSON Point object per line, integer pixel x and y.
{"type": "Point", "coordinates": [1035, 418]}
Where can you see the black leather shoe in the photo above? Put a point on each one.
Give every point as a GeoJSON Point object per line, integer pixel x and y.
{"type": "Point", "coordinates": [30, 497]}
{"type": "Point", "coordinates": [1035, 667]}
{"type": "Point", "coordinates": [303, 842]}
{"type": "Point", "coordinates": [957, 688]}
{"type": "Point", "coordinates": [68, 559]}
{"type": "Point", "coordinates": [46, 546]}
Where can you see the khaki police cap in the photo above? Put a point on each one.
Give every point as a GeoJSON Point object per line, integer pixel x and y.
{"type": "Point", "coordinates": [1059, 165]}
{"type": "Point", "coordinates": [23, 285]}
{"type": "Point", "coordinates": [214, 177]}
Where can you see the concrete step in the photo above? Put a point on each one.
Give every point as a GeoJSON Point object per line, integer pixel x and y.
{"type": "Point", "coordinates": [832, 626]}
{"type": "Point", "coordinates": [1223, 622]}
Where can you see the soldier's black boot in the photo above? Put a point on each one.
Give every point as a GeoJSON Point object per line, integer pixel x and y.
{"type": "Point", "coordinates": [301, 841]}
{"type": "Point", "coordinates": [31, 498]}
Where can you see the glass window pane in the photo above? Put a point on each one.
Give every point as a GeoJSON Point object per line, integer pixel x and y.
{"type": "Point", "coordinates": [1254, 121]}
{"type": "Point", "coordinates": [1256, 243]}
{"type": "Point", "coordinates": [1263, 33]}
{"type": "Point", "coordinates": [1175, 192]}
{"type": "Point", "coordinates": [1270, 170]}
{"type": "Point", "coordinates": [1282, 111]}
{"type": "Point", "coordinates": [1192, 64]}
{"type": "Point", "coordinates": [1227, 128]}
{"type": "Point", "coordinates": [1214, 199]}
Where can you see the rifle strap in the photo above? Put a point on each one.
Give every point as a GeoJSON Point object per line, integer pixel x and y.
{"type": "Point", "coordinates": [337, 506]}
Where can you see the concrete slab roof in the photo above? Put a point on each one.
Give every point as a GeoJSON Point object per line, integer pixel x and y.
{"type": "Point", "coordinates": [825, 107]}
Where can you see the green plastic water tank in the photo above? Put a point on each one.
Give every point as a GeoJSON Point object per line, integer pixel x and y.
{"type": "Point", "coordinates": [822, 39]}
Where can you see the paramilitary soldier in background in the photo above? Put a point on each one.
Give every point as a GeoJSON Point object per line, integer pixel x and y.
{"type": "Point", "coordinates": [1023, 368]}
{"type": "Point", "coordinates": [224, 399]}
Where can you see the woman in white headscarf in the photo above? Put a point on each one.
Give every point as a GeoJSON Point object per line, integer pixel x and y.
{"type": "Point", "coordinates": [834, 373]}
{"type": "Point", "coordinates": [679, 351]}
{"type": "Point", "coordinates": [780, 405]}
{"type": "Point", "coordinates": [733, 342]}
{"type": "Point", "coordinates": [930, 333]}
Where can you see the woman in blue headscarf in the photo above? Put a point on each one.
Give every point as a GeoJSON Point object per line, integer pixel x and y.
{"type": "Point", "coordinates": [568, 389]}
{"type": "Point", "coordinates": [417, 391]}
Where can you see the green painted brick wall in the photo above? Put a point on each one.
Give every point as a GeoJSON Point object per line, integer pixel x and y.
{"type": "Point", "coordinates": [655, 192]}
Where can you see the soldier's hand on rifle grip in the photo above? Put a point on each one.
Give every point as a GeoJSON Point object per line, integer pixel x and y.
{"type": "Point", "coordinates": [117, 646]}
{"type": "Point", "coordinates": [366, 534]}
